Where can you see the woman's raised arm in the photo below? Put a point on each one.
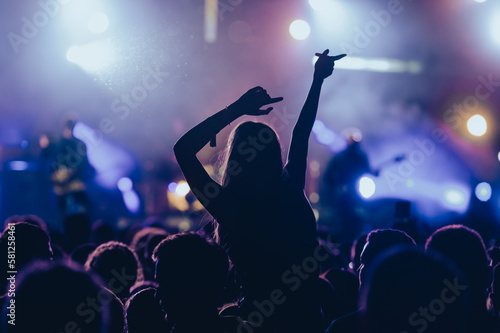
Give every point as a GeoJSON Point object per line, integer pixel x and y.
{"type": "Point", "coordinates": [186, 148]}
{"type": "Point", "coordinates": [297, 155]}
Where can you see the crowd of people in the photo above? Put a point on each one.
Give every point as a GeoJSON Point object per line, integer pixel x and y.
{"type": "Point", "coordinates": [259, 268]}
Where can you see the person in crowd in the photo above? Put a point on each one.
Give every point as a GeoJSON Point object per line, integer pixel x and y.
{"type": "Point", "coordinates": [70, 170]}
{"type": "Point", "coordinates": [356, 250]}
{"type": "Point", "coordinates": [21, 243]}
{"type": "Point", "coordinates": [377, 242]}
{"type": "Point", "coordinates": [144, 313]}
{"type": "Point", "coordinates": [408, 290]}
{"type": "Point", "coordinates": [58, 297]}
{"type": "Point", "coordinates": [465, 247]}
{"type": "Point", "coordinates": [118, 265]}
{"type": "Point", "coordinates": [262, 214]}
{"type": "Point", "coordinates": [144, 243]}
{"type": "Point", "coordinates": [190, 271]}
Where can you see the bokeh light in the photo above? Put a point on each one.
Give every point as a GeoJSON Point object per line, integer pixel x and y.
{"type": "Point", "coordinates": [299, 29]}
{"type": "Point", "coordinates": [125, 184]}
{"type": "Point", "coordinates": [454, 197]}
{"type": "Point", "coordinates": [182, 188]}
{"type": "Point", "coordinates": [483, 191]}
{"type": "Point", "coordinates": [477, 125]}
{"type": "Point", "coordinates": [366, 187]}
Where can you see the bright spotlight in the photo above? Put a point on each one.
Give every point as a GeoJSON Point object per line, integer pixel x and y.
{"type": "Point", "coordinates": [125, 184]}
{"type": "Point", "coordinates": [495, 27]}
{"type": "Point", "coordinates": [483, 191]}
{"type": "Point", "coordinates": [454, 197]}
{"type": "Point", "coordinates": [366, 187]}
{"type": "Point", "coordinates": [331, 15]}
{"type": "Point", "coordinates": [299, 29]}
{"type": "Point", "coordinates": [498, 156]}
{"type": "Point", "coordinates": [182, 188]}
{"type": "Point", "coordinates": [98, 23]}
{"type": "Point", "coordinates": [92, 57]}
{"type": "Point", "coordinates": [477, 125]}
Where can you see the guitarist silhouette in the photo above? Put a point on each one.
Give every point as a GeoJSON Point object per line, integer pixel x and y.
{"type": "Point", "coordinates": [70, 171]}
{"type": "Point", "coordinates": [342, 206]}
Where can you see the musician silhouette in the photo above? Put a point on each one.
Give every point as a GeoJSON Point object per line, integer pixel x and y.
{"type": "Point", "coordinates": [342, 205]}
{"type": "Point", "coordinates": [70, 170]}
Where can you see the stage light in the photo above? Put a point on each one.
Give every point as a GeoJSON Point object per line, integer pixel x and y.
{"type": "Point", "coordinates": [454, 197]}
{"type": "Point", "coordinates": [495, 27]}
{"type": "Point", "coordinates": [172, 187]}
{"type": "Point", "coordinates": [125, 184]}
{"type": "Point", "coordinates": [383, 65]}
{"type": "Point", "coordinates": [93, 57]}
{"type": "Point", "coordinates": [483, 191]}
{"type": "Point", "coordinates": [477, 125]}
{"type": "Point", "coordinates": [366, 187]}
{"type": "Point", "coordinates": [18, 165]}
{"type": "Point", "coordinates": [299, 29]}
{"type": "Point", "coordinates": [182, 188]}
{"type": "Point", "coordinates": [98, 23]}
{"type": "Point", "coordinates": [331, 16]}
{"type": "Point", "coordinates": [480, 1]}
{"type": "Point", "coordinates": [328, 137]}
{"type": "Point", "coordinates": [498, 156]}
{"type": "Point", "coordinates": [131, 201]}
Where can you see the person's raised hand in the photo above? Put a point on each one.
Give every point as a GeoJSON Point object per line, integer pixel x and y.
{"type": "Point", "coordinates": [324, 65]}
{"type": "Point", "coordinates": [253, 100]}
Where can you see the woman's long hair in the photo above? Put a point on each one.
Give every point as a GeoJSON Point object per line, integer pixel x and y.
{"type": "Point", "coordinates": [251, 158]}
{"type": "Point", "coordinates": [252, 155]}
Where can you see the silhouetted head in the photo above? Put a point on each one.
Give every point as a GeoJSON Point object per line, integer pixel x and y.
{"type": "Point", "coordinates": [253, 154]}
{"type": "Point", "coordinates": [356, 249]}
{"type": "Point", "coordinates": [54, 297]}
{"type": "Point", "coordinates": [117, 264]}
{"type": "Point", "coordinates": [407, 290]}
{"type": "Point", "coordinates": [466, 249]}
{"type": "Point", "coordinates": [379, 241]}
{"type": "Point", "coordinates": [190, 271]}
{"type": "Point", "coordinates": [68, 126]}
{"type": "Point", "coordinates": [31, 243]}
{"type": "Point", "coordinates": [144, 313]}
{"type": "Point", "coordinates": [144, 243]}
{"type": "Point", "coordinates": [30, 219]}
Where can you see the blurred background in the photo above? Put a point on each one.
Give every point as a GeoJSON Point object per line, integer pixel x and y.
{"type": "Point", "coordinates": [418, 91]}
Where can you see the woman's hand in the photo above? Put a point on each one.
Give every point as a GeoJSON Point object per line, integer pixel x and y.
{"type": "Point", "coordinates": [252, 101]}
{"type": "Point", "coordinates": [324, 65]}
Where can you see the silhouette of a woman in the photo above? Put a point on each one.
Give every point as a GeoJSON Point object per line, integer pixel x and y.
{"type": "Point", "coordinates": [263, 215]}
